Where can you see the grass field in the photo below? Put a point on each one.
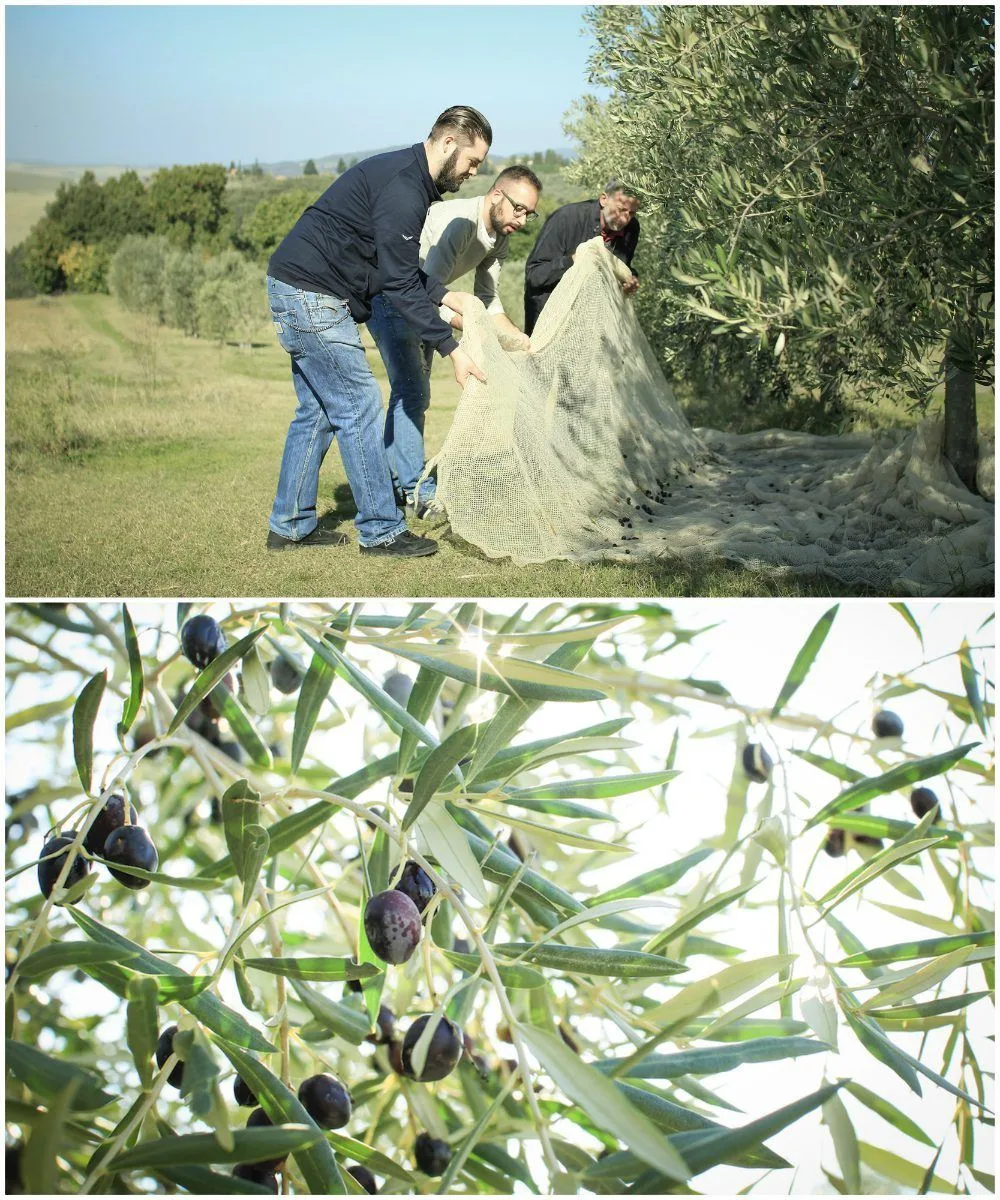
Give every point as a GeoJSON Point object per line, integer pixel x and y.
{"type": "Point", "coordinates": [143, 462]}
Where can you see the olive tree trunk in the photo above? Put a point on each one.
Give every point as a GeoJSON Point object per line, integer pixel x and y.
{"type": "Point", "coordinates": [961, 436]}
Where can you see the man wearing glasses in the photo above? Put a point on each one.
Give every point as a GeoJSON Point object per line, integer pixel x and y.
{"type": "Point", "coordinates": [611, 215]}
{"type": "Point", "coordinates": [458, 236]}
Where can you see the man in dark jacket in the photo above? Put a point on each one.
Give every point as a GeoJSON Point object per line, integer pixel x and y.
{"type": "Point", "coordinates": [611, 215]}
{"type": "Point", "coordinates": [359, 239]}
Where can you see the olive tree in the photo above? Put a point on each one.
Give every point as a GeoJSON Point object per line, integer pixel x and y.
{"type": "Point", "coordinates": [404, 880]}
{"type": "Point", "coordinates": [817, 186]}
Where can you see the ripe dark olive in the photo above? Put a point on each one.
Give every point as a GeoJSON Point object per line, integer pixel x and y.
{"type": "Point", "coordinates": [48, 871]}
{"type": "Point", "coordinates": [326, 1100]}
{"type": "Point", "coordinates": [110, 818]}
{"type": "Point", "coordinates": [568, 1038]}
{"type": "Point", "coordinates": [385, 1027]}
{"type": "Point", "coordinates": [392, 923]}
{"type": "Point", "coordinates": [432, 1154]}
{"type": "Point", "coordinates": [834, 844]}
{"type": "Point", "coordinates": [164, 1049]}
{"type": "Point", "coordinates": [131, 846]}
{"type": "Point", "coordinates": [260, 1118]}
{"type": "Point", "coordinates": [398, 686]}
{"type": "Point", "coordinates": [865, 839]}
{"type": "Point", "coordinates": [286, 676]}
{"type": "Point", "coordinates": [202, 640]}
{"type": "Point", "coordinates": [365, 1178]}
{"type": "Point", "coordinates": [886, 724]}
{"type": "Point", "coordinates": [241, 1090]}
{"type": "Point", "coordinates": [255, 1173]}
{"type": "Point", "coordinates": [416, 883]}
{"type": "Point", "coordinates": [396, 1057]}
{"type": "Point", "coordinates": [922, 800]}
{"type": "Point", "coordinates": [443, 1053]}
{"type": "Point", "coordinates": [757, 763]}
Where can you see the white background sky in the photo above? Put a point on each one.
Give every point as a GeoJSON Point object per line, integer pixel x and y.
{"type": "Point", "coordinates": [750, 652]}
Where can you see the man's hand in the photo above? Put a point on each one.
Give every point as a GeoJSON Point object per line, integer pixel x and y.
{"type": "Point", "coordinates": [456, 301]}
{"type": "Point", "coordinates": [631, 286]}
{"type": "Point", "coordinates": [464, 367]}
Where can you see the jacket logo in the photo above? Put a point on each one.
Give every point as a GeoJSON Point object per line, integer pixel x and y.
{"type": "Point", "coordinates": [407, 237]}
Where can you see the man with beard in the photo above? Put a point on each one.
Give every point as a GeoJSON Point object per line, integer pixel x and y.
{"type": "Point", "coordinates": [359, 239]}
{"type": "Point", "coordinates": [458, 236]}
{"type": "Point", "coordinates": [612, 215]}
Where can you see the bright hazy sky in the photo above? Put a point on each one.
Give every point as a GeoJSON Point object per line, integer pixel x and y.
{"type": "Point", "coordinates": [155, 85]}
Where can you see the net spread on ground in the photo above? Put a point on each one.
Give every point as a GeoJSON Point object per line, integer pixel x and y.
{"type": "Point", "coordinates": [578, 450]}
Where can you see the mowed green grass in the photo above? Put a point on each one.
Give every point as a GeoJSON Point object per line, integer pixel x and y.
{"type": "Point", "coordinates": [141, 462]}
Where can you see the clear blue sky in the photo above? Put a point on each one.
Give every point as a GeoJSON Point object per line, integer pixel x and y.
{"type": "Point", "coordinates": [137, 85]}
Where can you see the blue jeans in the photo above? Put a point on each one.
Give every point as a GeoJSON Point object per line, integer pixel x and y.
{"type": "Point", "coordinates": [337, 397]}
{"type": "Point", "coordinates": [408, 364]}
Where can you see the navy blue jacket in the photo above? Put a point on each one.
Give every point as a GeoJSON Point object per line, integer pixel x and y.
{"type": "Point", "coordinates": [362, 237]}
{"type": "Point", "coordinates": [550, 259]}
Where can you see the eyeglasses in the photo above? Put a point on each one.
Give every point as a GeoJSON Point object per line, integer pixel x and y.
{"type": "Point", "coordinates": [520, 210]}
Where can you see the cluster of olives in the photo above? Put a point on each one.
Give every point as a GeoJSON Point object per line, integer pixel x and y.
{"type": "Point", "coordinates": [323, 1097]}
{"type": "Point", "coordinates": [885, 724]}
{"type": "Point", "coordinates": [113, 835]}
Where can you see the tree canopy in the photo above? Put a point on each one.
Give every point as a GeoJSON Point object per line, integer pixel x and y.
{"type": "Point", "coordinates": [817, 188]}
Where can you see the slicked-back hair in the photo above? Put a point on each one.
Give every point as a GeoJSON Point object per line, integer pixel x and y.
{"type": "Point", "coordinates": [616, 185]}
{"type": "Point", "coordinates": [517, 174]}
{"type": "Point", "coordinates": [465, 122]}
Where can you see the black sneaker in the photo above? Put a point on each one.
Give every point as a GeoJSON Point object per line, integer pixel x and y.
{"type": "Point", "coordinates": [318, 537]}
{"type": "Point", "coordinates": [406, 545]}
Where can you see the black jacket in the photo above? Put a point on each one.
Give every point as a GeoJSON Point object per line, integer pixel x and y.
{"type": "Point", "coordinates": [362, 236]}
{"type": "Point", "coordinates": [549, 259]}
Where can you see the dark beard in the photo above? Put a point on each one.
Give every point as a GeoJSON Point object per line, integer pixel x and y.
{"type": "Point", "coordinates": [496, 218]}
{"type": "Point", "coordinates": [447, 181]}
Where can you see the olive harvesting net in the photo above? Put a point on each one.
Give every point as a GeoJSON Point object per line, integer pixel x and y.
{"type": "Point", "coordinates": [578, 450]}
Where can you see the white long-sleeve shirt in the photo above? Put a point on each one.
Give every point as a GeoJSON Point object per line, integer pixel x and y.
{"type": "Point", "coordinates": [455, 240]}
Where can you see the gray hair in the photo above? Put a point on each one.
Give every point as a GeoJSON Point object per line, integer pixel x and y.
{"type": "Point", "coordinates": [615, 185]}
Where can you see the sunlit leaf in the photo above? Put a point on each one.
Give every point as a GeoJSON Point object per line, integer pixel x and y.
{"type": "Point", "coordinates": [656, 880]}
{"type": "Point", "coordinates": [250, 1145]}
{"type": "Point", "coordinates": [516, 677]}
{"type": "Point", "coordinates": [449, 845]}
{"type": "Point", "coordinates": [904, 775]}
{"type": "Point", "coordinates": [970, 681]}
{"type": "Point", "coordinates": [805, 659]}
{"type": "Point", "coordinates": [437, 768]}
{"type": "Point", "coordinates": [600, 1098]}
{"type": "Point", "coordinates": [314, 690]}
{"type": "Point", "coordinates": [317, 969]}
{"type": "Point", "coordinates": [141, 1024]}
{"type": "Point", "coordinates": [905, 951]}
{"type": "Point", "coordinates": [585, 960]}
{"type": "Point", "coordinates": [48, 1077]}
{"type": "Point", "coordinates": [133, 702]}
{"type": "Point", "coordinates": [511, 975]}
{"type": "Point", "coordinates": [84, 716]}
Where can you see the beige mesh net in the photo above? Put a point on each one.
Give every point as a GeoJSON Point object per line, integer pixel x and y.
{"type": "Point", "coordinates": [578, 450]}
